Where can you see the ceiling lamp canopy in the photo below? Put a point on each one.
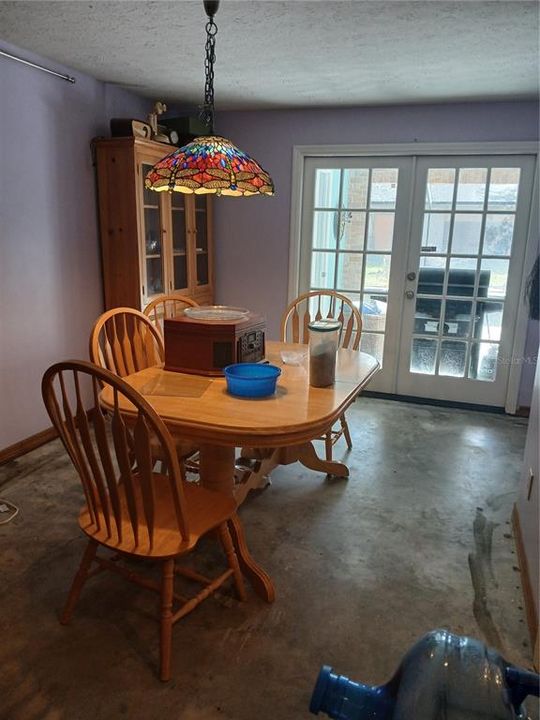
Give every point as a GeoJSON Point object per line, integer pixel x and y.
{"type": "Point", "coordinates": [210, 164]}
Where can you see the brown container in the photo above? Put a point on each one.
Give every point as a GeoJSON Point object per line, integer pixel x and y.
{"type": "Point", "coordinates": [205, 347]}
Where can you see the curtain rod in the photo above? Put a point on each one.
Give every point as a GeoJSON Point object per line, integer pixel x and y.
{"type": "Point", "coordinates": [67, 78]}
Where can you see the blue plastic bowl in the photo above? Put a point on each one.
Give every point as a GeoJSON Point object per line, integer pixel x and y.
{"type": "Point", "coordinates": [251, 379]}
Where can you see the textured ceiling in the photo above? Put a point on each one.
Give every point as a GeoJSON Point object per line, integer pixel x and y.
{"type": "Point", "coordinates": [292, 54]}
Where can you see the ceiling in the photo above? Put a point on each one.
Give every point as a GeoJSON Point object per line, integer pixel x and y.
{"type": "Point", "coordinates": [273, 54]}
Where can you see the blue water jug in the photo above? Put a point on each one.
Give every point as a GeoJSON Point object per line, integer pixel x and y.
{"type": "Point", "coordinates": [442, 677]}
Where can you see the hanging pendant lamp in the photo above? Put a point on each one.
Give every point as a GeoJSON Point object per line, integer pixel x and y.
{"type": "Point", "coordinates": [210, 164]}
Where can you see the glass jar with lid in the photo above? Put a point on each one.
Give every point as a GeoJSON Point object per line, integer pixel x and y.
{"type": "Point", "coordinates": [323, 345]}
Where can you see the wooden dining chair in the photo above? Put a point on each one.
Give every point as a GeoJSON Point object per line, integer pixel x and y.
{"type": "Point", "coordinates": [124, 341]}
{"type": "Point", "coordinates": [319, 305]}
{"type": "Point", "coordinates": [167, 306]}
{"type": "Point", "coordinates": [134, 513]}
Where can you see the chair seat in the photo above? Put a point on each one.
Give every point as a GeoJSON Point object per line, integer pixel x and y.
{"type": "Point", "coordinates": [206, 510]}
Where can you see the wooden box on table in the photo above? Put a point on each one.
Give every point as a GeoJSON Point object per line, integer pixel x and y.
{"type": "Point", "coordinates": [205, 347]}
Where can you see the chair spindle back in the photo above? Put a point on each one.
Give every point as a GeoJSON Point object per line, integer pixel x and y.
{"type": "Point", "coordinates": [167, 306]}
{"type": "Point", "coordinates": [124, 341]}
{"type": "Point", "coordinates": [318, 305]}
{"type": "Point", "coordinates": [113, 458]}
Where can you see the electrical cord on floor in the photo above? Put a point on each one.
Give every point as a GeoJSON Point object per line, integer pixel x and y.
{"type": "Point", "coordinates": [6, 506]}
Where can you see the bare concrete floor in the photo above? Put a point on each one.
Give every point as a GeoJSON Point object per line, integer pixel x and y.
{"type": "Point", "coordinates": [362, 568]}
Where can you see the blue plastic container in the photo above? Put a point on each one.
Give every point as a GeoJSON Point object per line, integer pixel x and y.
{"type": "Point", "coordinates": [442, 677]}
{"type": "Point", "coordinates": [251, 380]}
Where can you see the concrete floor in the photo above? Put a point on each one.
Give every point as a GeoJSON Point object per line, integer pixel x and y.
{"type": "Point", "coordinates": [362, 568]}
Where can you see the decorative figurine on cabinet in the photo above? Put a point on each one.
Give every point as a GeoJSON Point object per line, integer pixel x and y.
{"type": "Point", "coordinates": [157, 130]}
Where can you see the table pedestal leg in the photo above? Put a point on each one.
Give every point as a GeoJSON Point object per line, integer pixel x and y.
{"type": "Point", "coordinates": [304, 453]}
{"type": "Point", "coordinates": [307, 455]}
{"type": "Point", "coordinates": [216, 468]}
{"type": "Point", "coordinates": [217, 473]}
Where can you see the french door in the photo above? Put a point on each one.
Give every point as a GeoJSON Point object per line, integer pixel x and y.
{"type": "Point", "coordinates": [431, 250]}
{"type": "Point", "coordinates": [353, 216]}
{"type": "Point", "coordinates": [463, 281]}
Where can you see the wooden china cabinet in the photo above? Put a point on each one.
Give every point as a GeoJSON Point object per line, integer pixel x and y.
{"type": "Point", "coordinates": [151, 243]}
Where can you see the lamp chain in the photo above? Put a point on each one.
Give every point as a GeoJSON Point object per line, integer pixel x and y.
{"type": "Point", "coordinates": [207, 113]}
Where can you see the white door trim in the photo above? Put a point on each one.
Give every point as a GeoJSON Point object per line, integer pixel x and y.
{"type": "Point", "coordinates": [522, 319]}
{"type": "Point", "coordinates": [464, 148]}
{"type": "Point", "coordinates": [301, 152]}
{"type": "Point", "coordinates": [297, 191]}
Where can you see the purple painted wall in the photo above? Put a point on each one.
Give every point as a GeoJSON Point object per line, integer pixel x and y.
{"type": "Point", "coordinates": [252, 252]}
{"type": "Point", "coordinates": [50, 277]}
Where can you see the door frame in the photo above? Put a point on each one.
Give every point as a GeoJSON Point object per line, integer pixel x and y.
{"type": "Point", "coordinates": [301, 152]}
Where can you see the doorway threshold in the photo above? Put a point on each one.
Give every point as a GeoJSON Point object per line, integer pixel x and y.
{"type": "Point", "coordinates": [434, 402]}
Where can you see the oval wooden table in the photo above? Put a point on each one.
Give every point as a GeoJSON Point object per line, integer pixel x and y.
{"type": "Point", "coordinates": [272, 431]}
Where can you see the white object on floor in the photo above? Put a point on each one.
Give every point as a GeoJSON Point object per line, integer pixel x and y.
{"type": "Point", "coordinates": [5, 507]}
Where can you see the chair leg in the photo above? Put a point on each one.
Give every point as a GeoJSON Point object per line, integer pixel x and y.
{"type": "Point", "coordinates": [78, 581]}
{"type": "Point", "coordinates": [228, 547]}
{"type": "Point", "coordinates": [167, 583]}
{"type": "Point", "coordinates": [328, 445]}
{"type": "Point", "coordinates": [346, 432]}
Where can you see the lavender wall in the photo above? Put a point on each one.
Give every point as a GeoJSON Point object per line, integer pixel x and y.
{"type": "Point", "coordinates": [50, 278]}
{"type": "Point", "coordinates": [253, 234]}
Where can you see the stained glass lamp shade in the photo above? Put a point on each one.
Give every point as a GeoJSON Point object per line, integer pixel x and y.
{"type": "Point", "coordinates": [210, 164]}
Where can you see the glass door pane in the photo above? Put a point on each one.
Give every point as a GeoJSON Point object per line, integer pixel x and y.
{"type": "Point", "coordinates": [153, 249]}
{"type": "Point", "coordinates": [464, 258]}
{"type": "Point", "coordinates": [201, 240]}
{"type": "Point", "coordinates": [351, 246]}
{"type": "Point", "coordinates": [179, 245]}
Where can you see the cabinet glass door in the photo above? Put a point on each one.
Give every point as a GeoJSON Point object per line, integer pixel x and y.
{"type": "Point", "coordinates": [179, 255]}
{"type": "Point", "coordinates": [201, 240]}
{"type": "Point", "coordinates": [153, 247]}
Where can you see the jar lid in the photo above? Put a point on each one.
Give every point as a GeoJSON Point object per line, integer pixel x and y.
{"type": "Point", "coordinates": [325, 325]}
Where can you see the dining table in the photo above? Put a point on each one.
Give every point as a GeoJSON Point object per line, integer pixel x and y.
{"type": "Point", "coordinates": [241, 440]}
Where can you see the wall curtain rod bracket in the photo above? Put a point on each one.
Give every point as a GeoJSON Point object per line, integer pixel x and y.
{"type": "Point", "coordinates": [67, 78]}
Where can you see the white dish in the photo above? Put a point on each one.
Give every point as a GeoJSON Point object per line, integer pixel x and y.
{"type": "Point", "coordinates": [293, 357]}
{"type": "Point", "coordinates": [216, 312]}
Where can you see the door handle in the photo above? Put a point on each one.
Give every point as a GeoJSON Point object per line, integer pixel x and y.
{"type": "Point", "coordinates": [409, 294]}
{"type": "Point", "coordinates": [411, 276]}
